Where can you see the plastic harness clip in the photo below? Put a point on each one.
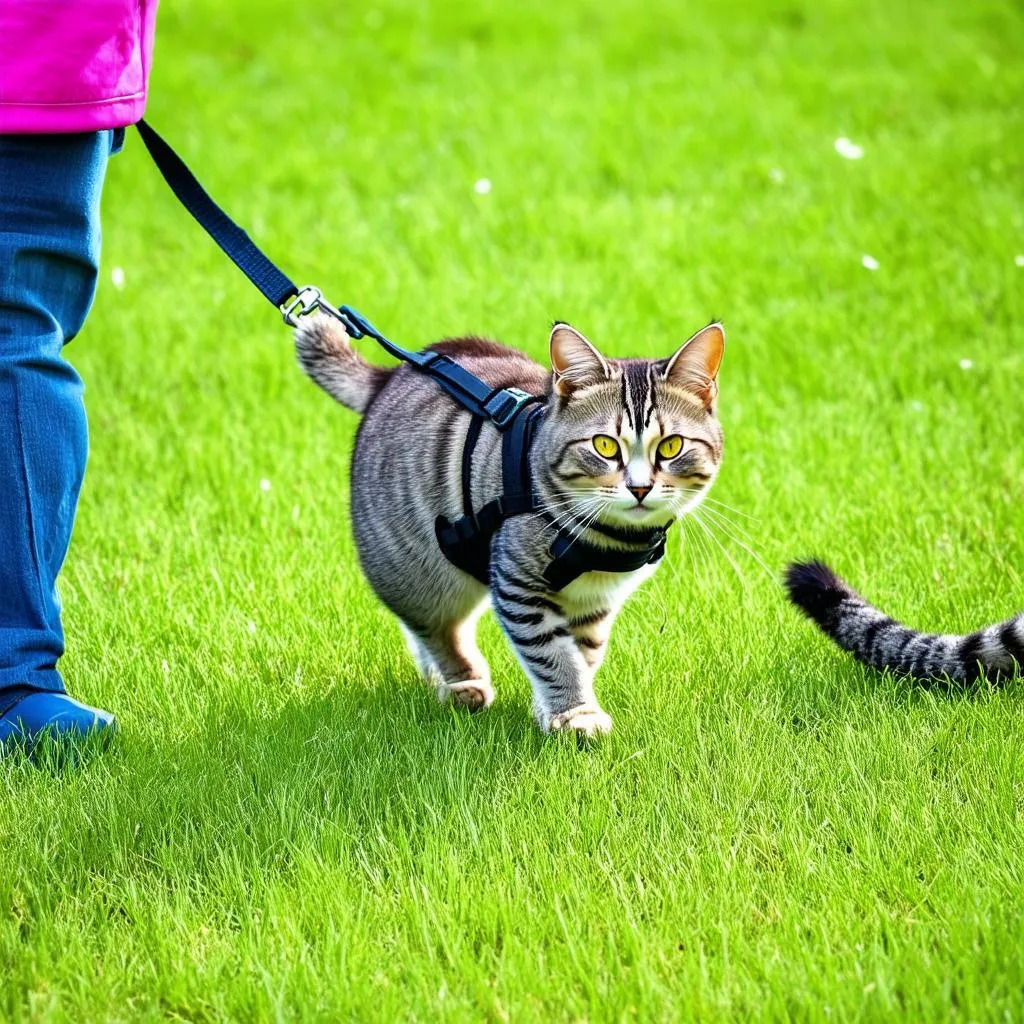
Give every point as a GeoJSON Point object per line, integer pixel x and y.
{"type": "Point", "coordinates": [503, 406]}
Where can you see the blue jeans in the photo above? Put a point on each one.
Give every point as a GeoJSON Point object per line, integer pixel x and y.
{"type": "Point", "coordinates": [49, 258]}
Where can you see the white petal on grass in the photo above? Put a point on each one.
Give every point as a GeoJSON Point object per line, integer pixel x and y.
{"type": "Point", "coordinates": [251, 627]}
{"type": "Point", "coordinates": [264, 485]}
{"type": "Point", "coordinates": [777, 174]}
{"type": "Point", "coordinates": [117, 278]}
{"type": "Point", "coordinates": [869, 262]}
{"type": "Point", "coordinates": [165, 667]}
{"type": "Point", "coordinates": [966, 364]}
{"type": "Point", "coordinates": [1019, 260]}
{"type": "Point", "coordinates": [482, 187]}
{"type": "Point", "coordinates": [847, 149]}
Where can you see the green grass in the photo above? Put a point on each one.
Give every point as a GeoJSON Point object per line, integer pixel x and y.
{"type": "Point", "coordinates": [289, 826]}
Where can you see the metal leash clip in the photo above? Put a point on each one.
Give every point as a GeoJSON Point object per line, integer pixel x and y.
{"type": "Point", "coordinates": [309, 299]}
{"type": "Point", "coordinates": [305, 301]}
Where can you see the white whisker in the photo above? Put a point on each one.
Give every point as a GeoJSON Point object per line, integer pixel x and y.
{"type": "Point", "coordinates": [729, 558]}
{"type": "Point", "coordinates": [577, 533]}
{"type": "Point", "coordinates": [731, 508]}
{"type": "Point", "coordinates": [757, 558]}
{"type": "Point", "coordinates": [725, 521]}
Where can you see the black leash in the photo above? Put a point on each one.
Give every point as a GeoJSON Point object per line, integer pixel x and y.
{"type": "Point", "coordinates": [499, 405]}
{"type": "Point", "coordinates": [465, 542]}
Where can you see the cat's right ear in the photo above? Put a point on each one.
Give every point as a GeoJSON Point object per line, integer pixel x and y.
{"type": "Point", "coordinates": [574, 361]}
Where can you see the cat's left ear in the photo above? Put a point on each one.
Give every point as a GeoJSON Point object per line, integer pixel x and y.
{"type": "Point", "coordinates": [695, 365]}
{"type": "Point", "coordinates": [575, 362]}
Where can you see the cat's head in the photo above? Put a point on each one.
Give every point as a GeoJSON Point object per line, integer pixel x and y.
{"type": "Point", "coordinates": [636, 442]}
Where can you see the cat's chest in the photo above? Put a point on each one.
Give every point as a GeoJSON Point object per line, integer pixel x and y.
{"type": "Point", "coordinates": [594, 591]}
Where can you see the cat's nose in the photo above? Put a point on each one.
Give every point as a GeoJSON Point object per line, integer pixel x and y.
{"type": "Point", "coordinates": [639, 492]}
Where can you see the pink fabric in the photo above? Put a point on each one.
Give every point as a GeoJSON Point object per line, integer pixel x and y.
{"type": "Point", "coordinates": [74, 65]}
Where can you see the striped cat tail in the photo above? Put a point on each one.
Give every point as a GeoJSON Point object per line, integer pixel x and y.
{"type": "Point", "coordinates": [326, 354]}
{"type": "Point", "coordinates": [881, 642]}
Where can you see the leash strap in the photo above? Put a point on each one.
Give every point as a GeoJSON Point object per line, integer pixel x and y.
{"type": "Point", "coordinates": [237, 245]}
{"type": "Point", "coordinates": [499, 405]}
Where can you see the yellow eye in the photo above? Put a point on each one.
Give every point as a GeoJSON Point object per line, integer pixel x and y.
{"type": "Point", "coordinates": [670, 447]}
{"type": "Point", "coordinates": [606, 446]}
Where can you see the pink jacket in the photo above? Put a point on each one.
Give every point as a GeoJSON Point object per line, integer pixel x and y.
{"type": "Point", "coordinates": [74, 65]}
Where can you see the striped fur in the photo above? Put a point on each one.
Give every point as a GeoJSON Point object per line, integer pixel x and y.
{"type": "Point", "coordinates": [326, 354]}
{"type": "Point", "coordinates": [992, 653]}
{"type": "Point", "coordinates": [406, 471]}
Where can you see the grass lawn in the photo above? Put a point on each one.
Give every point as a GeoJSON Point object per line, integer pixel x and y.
{"type": "Point", "coordinates": [289, 826]}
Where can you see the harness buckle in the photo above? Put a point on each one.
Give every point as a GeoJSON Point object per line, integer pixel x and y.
{"type": "Point", "coordinates": [503, 406]}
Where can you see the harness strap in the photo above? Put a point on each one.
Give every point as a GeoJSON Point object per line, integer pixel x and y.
{"type": "Point", "coordinates": [571, 558]}
{"type": "Point", "coordinates": [467, 541]}
{"type": "Point", "coordinates": [499, 405]}
{"type": "Point", "coordinates": [515, 464]}
{"type": "Point", "coordinates": [472, 436]}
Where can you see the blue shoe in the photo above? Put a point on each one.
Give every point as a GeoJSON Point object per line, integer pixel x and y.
{"type": "Point", "coordinates": [53, 715]}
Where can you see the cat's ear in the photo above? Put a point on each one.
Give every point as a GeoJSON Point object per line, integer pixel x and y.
{"type": "Point", "coordinates": [575, 362]}
{"type": "Point", "coordinates": [695, 365]}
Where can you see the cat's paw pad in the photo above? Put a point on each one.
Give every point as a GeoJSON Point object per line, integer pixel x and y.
{"type": "Point", "coordinates": [475, 694]}
{"type": "Point", "coordinates": [586, 720]}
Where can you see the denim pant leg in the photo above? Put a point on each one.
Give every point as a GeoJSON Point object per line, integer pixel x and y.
{"type": "Point", "coordinates": [49, 257]}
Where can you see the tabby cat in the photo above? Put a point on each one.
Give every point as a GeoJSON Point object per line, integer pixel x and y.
{"type": "Point", "coordinates": [993, 653]}
{"type": "Point", "coordinates": [623, 447]}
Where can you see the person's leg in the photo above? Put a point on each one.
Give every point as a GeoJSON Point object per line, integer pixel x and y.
{"type": "Point", "coordinates": [49, 256]}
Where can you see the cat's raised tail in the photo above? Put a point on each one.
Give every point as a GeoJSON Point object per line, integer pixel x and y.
{"type": "Point", "coordinates": [326, 354]}
{"type": "Point", "coordinates": [994, 652]}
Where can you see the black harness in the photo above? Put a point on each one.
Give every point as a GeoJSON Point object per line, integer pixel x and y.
{"type": "Point", "coordinates": [467, 541]}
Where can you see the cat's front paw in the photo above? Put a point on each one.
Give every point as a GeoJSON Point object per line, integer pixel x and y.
{"type": "Point", "coordinates": [586, 720]}
{"type": "Point", "coordinates": [474, 694]}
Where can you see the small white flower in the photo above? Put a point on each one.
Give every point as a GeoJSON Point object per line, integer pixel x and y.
{"type": "Point", "coordinates": [849, 150]}
{"type": "Point", "coordinates": [482, 187]}
{"type": "Point", "coordinates": [264, 485]}
{"type": "Point", "coordinates": [966, 364]}
{"type": "Point", "coordinates": [1019, 260]}
{"type": "Point", "coordinates": [117, 278]}
{"type": "Point", "coordinates": [869, 262]}
{"type": "Point", "coordinates": [777, 174]}
{"type": "Point", "coordinates": [165, 667]}
{"type": "Point", "coordinates": [251, 627]}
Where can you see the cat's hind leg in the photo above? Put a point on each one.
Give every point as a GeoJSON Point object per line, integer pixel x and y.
{"type": "Point", "coordinates": [451, 662]}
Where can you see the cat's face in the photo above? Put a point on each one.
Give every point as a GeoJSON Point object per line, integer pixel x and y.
{"type": "Point", "coordinates": [634, 442]}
